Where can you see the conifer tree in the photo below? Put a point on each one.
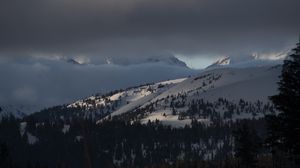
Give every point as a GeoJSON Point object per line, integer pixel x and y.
{"type": "Point", "coordinates": [4, 155]}
{"type": "Point", "coordinates": [247, 144]}
{"type": "Point", "coordinates": [287, 102]}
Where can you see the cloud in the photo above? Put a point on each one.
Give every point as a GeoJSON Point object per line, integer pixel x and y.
{"type": "Point", "coordinates": [24, 95]}
{"type": "Point", "coordinates": [50, 82]}
{"type": "Point", "coordinates": [135, 28]}
{"type": "Point", "coordinates": [128, 31]}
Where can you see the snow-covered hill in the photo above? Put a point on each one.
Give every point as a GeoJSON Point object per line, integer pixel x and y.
{"type": "Point", "coordinates": [223, 88]}
{"type": "Point", "coordinates": [250, 85]}
{"type": "Point", "coordinates": [121, 100]}
{"type": "Point", "coordinates": [223, 93]}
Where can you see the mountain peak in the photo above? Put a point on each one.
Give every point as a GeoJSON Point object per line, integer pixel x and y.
{"type": "Point", "coordinates": [166, 59]}
{"type": "Point", "coordinates": [220, 62]}
{"type": "Point", "coordinates": [73, 61]}
{"type": "Point", "coordinates": [109, 61]}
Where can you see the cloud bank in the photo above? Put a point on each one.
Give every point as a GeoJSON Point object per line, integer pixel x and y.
{"type": "Point", "coordinates": [48, 82]}
{"type": "Point", "coordinates": [137, 28]}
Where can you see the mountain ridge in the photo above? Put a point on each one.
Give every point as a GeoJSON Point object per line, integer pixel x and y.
{"type": "Point", "coordinates": [158, 100]}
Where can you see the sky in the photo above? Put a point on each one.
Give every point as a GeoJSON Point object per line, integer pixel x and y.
{"type": "Point", "coordinates": [36, 35]}
{"type": "Point", "coordinates": [51, 82]}
{"type": "Point", "coordinates": [130, 29]}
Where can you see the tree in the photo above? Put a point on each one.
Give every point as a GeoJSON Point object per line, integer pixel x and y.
{"type": "Point", "coordinates": [274, 139]}
{"type": "Point", "coordinates": [247, 144]}
{"type": "Point", "coordinates": [287, 102]}
{"type": "Point", "coordinates": [4, 155]}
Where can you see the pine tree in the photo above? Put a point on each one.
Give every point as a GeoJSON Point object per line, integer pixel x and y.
{"type": "Point", "coordinates": [4, 155]}
{"type": "Point", "coordinates": [247, 144]}
{"type": "Point", "coordinates": [287, 102]}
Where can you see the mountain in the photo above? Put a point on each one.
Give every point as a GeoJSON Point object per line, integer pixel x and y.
{"type": "Point", "coordinates": [246, 61]}
{"type": "Point", "coordinates": [220, 62]}
{"type": "Point", "coordinates": [48, 82]}
{"type": "Point", "coordinates": [101, 105]}
{"type": "Point", "coordinates": [218, 89]}
{"type": "Point", "coordinates": [73, 61]}
{"type": "Point", "coordinates": [281, 55]}
{"type": "Point", "coordinates": [168, 59]}
{"type": "Point", "coordinates": [18, 111]}
{"type": "Point", "coordinates": [134, 127]}
{"type": "Point", "coordinates": [241, 92]}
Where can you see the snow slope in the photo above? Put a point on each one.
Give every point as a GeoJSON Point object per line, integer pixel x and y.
{"type": "Point", "coordinates": [144, 99]}
{"type": "Point", "coordinates": [229, 93]}
{"type": "Point", "coordinates": [233, 83]}
{"type": "Point", "coordinates": [220, 62]}
{"type": "Point", "coordinates": [252, 84]}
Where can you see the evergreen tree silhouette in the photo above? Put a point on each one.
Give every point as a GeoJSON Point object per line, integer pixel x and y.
{"type": "Point", "coordinates": [287, 102]}
{"type": "Point", "coordinates": [247, 144]}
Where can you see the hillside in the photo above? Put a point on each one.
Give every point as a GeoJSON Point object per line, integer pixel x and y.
{"type": "Point", "coordinates": [134, 127]}
{"type": "Point", "coordinates": [242, 92]}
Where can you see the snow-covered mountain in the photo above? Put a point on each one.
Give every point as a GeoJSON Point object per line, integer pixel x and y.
{"type": "Point", "coordinates": [254, 60]}
{"type": "Point", "coordinates": [229, 93]}
{"type": "Point", "coordinates": [167, 59]}
{"type": "Point", "coordinates": [170, 60]}
{"type": "Point", "coordinates": [17, 111]}
{"type": "Point", "coordinates": [220, 62]}
{"type": "Point", "coordinates": [250, 85]}
{"type": "Point", "coordinates": [164, 59]}
{"type": "Point", "coordinates": [73, 61]}
{"type": "Point", "coordinates": [48, 82]}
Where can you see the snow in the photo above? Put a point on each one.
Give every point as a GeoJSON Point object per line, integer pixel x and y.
{"type": "Point", "coordinates": [137, 97]}
{"type": "Point", "coordinates": [259, 86]}
{"type": "Point", "coordinates": [65, 128]}
{"type": "Point", "coordinates": [166, 118]}
{"type": "Point", "coordinates": [181, 156]}
{"type": "Point", "coordinates": [256, 60]}
{"type": "Point", "coordinates": [136, 94]}
{"type": "Point", "coordinates": [31, 139]}
{"type": "Point", "coordinates": [116, 96]}
{"type": "Point", "coordinates": [78, 138]}
{"type": "Point", "coordinates": [220, 62]}
{"type": "Point", "coordinates": [173, 121]}
{"type": "Point", "coordinates": [134, 104]}
{"type": "Point", "coordinates": [23, 126]}
{"type": "Point", "coordinates": [175, 81]}
{"type": "Point", "coordinates": [250, 84]}
{"type": "Point", "coordinates": [133, 156]}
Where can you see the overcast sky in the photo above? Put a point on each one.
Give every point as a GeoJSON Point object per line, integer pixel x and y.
{"type": "Point", "coordinates": [52, 82]}
{"type": "Point", "coordinates": [196, 31]}
{"type": "Point", "coordinates": [143, 28]}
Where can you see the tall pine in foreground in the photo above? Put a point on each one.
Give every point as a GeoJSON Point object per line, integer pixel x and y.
{"type": "Point", "coordinates": [287, 102]}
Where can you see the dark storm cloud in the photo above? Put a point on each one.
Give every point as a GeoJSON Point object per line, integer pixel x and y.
{"type": "Point", "coordinates": [145, 27]}
{"type": "Point", "coordinates": [123, 29]}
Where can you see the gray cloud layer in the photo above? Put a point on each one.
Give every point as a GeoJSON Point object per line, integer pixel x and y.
{"type": "Point", "coordinates": [51, 82]}
{"type": "Point", "coordinates": [131, 28]}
